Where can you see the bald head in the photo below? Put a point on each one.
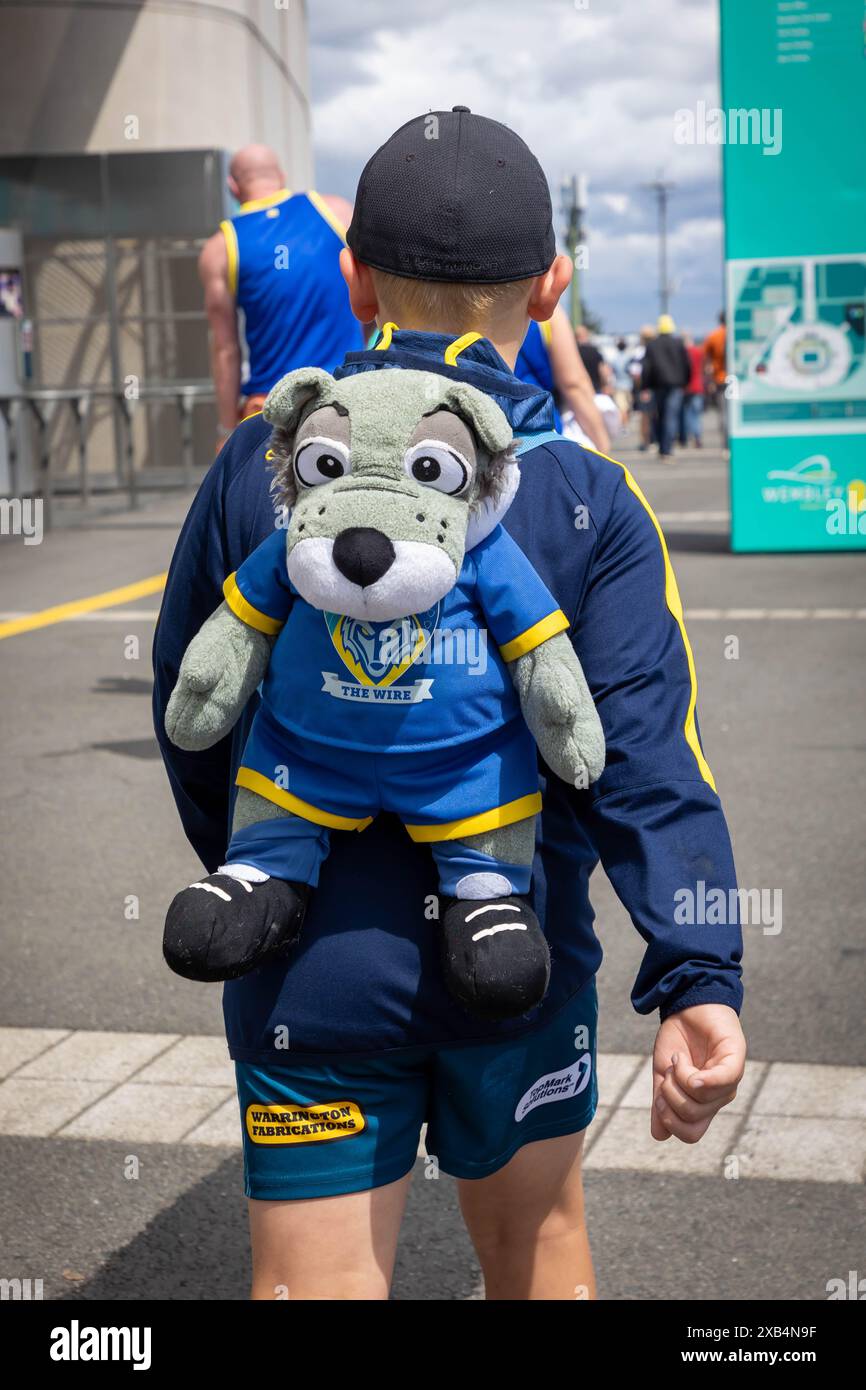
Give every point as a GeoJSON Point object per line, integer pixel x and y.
{"type": "Point", "coordinates": [254, 173]}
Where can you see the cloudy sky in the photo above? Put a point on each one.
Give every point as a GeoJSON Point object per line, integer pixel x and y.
{"type": "Point", "coordinates": [592, 85]}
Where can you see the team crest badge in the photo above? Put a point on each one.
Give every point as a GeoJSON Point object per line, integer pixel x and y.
{"type": "Point", "coordinates": [377, 654]}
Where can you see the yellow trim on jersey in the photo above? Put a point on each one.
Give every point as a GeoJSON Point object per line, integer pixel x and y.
{"type": "Point", "coordinates": [329, 215]}
{"type": "Point", "coordinates": [534, 636]}
{"type": "Point", "coordinates": [230, 237]}
{"type": "Point", "coordinates": [509, 814]}
{"type": "Point", "coordinates": [387, 333]}
{"type": "Point", "coordinates": [269, 201]}
{"type": "Point", "coordinates": [245, 611]}
{"type": "Point", "coordinates": [454, 350]}
{"type": "Point", "coordinates": [547, 333]}
{"type": "Point", "coordinates": [256, 782]}
{"type": "Point", "coordinates": [675, 607]}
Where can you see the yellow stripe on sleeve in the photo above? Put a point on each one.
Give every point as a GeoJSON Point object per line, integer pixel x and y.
{"type": "Point", "coordinates": [231, 240]}
{"type": "Point", "coordinates": [675, 607]}
{"type": "Point", "coordinates": [245, 611]}
{"type": "Point", "coordinates": [534, 636]}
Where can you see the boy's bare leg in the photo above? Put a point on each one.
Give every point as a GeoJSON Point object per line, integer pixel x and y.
{"type": "Point", "coordinates": [527, 1223]}
{"type": "Point", "coordinates": [327, 1247]}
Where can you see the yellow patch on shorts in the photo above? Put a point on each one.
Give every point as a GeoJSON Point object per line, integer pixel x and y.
{"type": "Point", "coordinates": [308, 1124]}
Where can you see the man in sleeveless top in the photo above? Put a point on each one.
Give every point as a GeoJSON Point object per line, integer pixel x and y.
{"type": "Point", "coordinates": [276, 260]}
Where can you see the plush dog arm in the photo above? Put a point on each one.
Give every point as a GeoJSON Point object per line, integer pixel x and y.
{"type": "Point", "coordinates": [559, 710]}
{"type": "Point", "coordinates": [221, 668]}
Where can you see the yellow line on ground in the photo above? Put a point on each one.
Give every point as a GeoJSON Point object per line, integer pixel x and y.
{"type": "Point", "coordinates": [62, 611]}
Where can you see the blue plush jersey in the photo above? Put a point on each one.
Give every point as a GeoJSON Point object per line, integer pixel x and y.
{"type": "Point", "coordinates": [283, 260]}
{"type": "Point", "coordinates": [366, 974]}
{"type": "Point", "coordinates": [353, 684]}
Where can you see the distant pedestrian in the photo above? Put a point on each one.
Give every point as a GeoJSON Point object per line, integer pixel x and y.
{"type": "Point", "coordinates": [622, 380]}
{"type": "Point", "coordinates": [592, 359]}
{"type": "Point", "coordinates": [643, 400]}
{"type": "Point", "coordinates": [715, 366]}
{"type": "Point", "coordinates": [692, 413]}
{"type": "Point", "coordinates": [666, 372]}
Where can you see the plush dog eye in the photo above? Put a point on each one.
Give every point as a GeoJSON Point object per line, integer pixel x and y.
{"type": "Point", "coordinates": [435, 465]}
{"type": "Point", "coordinates": [321, 461]}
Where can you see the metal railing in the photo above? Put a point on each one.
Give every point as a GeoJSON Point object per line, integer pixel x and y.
{"type": "Point", "coordinates": [43, 403]}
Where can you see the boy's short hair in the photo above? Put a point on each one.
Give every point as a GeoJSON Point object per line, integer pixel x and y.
{"type": "Point", "coordinates": [457, 302]}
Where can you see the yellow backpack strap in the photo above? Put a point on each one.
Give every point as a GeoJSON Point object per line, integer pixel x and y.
{"type": "Point", "coordinates": [387, 332]}
{"type": "Point", "coordinates": [453, 351]}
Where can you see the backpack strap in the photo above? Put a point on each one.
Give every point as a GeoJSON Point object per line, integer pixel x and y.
{"type": "Point", "coordinates": [530, 441]}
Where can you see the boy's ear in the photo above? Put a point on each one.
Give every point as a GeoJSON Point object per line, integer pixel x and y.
{"type": "Point", "coordinates": [483, 415]}
{"type": "Point", "coordinates": [288, 398]}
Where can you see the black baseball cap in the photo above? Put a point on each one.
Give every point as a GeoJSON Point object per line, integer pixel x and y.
{"type": "Point", "coordinates": [453, 196]}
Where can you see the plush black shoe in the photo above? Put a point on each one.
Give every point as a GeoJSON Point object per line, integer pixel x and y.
{"type": "Point", "coordinates": [220, 927]}
{"type": "Point", "coordinates": [495, 957]}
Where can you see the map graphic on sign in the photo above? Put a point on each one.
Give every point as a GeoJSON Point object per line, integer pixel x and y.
{"type": "Point", "coordinates": [798, 342]}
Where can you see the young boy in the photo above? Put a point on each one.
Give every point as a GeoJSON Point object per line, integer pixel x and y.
{"type": "Point", "coordinates": [345, 1047]}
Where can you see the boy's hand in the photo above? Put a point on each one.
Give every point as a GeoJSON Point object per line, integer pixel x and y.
{"type": "Point", "coordinates": [698, 1062]}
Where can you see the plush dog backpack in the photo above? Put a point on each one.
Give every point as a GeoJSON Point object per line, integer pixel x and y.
{"type": "Point", "coordinates": [410, 660]}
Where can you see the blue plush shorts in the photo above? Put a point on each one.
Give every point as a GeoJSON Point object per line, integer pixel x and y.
{"type": "Point", "coordinates": [318, 1128]}
{"type": "Point", "coordinates": [439, 794]}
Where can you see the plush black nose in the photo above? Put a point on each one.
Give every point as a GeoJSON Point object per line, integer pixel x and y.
{"type": "Point", "coordinates": [363, 555]}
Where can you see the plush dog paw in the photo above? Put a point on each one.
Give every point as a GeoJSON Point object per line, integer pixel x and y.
{"type": "Point", "coordinates": [559, 709]}
{"type": "Point", "coordinates": [221, 927]}
{"type": "Point", "coordinates": [220, 670]}
{"type": "Point", "coordinates": [495, 957]}
{"type": "Point", "coordinates": [575, 751]}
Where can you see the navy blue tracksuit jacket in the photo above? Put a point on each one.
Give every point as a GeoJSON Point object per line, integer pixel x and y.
{"type": "Point", "coordinates": [366, 975]}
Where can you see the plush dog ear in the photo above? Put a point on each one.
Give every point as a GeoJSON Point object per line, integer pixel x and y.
{"type": "Point", "coordinates": [284, 407]}
{"type": "Point", "coordinates": [287, 399]}
{"type": "Point", "coordinates": [483, 415]}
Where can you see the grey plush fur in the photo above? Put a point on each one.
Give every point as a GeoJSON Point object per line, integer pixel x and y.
{"type": "Point", "coordinates": [221, 668]}
{"type": "Point", "coordinates": [513, 844]}
{"type": "Point", "coordinates": [559, 709]}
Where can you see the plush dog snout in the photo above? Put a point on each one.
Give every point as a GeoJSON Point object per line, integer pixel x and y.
{"type": "Point", "coordinates": [363, 555]}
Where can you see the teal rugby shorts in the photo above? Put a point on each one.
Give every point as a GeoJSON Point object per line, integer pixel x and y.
{"type": "Point", "coordinates": [321, 1127]}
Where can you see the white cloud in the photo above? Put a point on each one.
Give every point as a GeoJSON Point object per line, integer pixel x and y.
{"type": "Point", "coordinates": [592, 91]}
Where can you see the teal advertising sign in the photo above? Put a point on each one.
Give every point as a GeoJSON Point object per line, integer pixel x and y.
{"type": "Point", "coordinates": [793, 128]}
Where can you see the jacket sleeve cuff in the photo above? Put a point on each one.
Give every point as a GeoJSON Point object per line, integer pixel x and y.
{"type": "Point", "coordinates": [714, 993]}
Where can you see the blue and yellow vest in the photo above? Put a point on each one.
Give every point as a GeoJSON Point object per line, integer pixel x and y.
{"type": "Point", "coordinates": [533, 362]}
{"type": "Point", "coordinates": [283, 260]}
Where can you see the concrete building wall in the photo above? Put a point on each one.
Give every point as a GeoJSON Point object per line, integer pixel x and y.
{"type": "Point", "coordinates": [156, 75]}
{"type": "Point", "coordinates": [136, 76]}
